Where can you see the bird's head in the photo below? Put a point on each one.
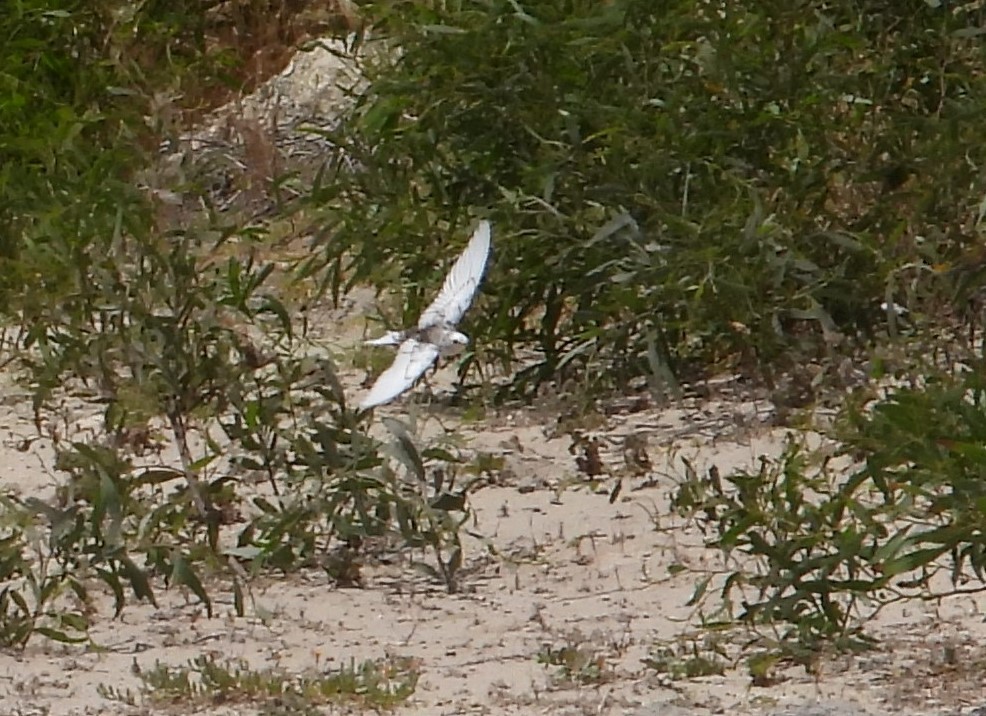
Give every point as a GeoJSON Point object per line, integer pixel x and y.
{"type": "Point", "coordinates": [456, 342]}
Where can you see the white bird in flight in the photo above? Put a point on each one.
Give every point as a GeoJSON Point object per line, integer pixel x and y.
{"type": "Point", "coordinates": [435, 333]}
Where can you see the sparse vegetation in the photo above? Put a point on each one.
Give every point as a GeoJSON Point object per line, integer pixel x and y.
{"type": "Point", "coordinates": [579, 664]}
{"type": "Point", "coordinates": [688, 659]}
{"type": "Point", "coordinates": [787, 190]}
{"type": "Point", "coordinates": [206, 681]}
{"type": "Point", "coordinates": [823, 543]}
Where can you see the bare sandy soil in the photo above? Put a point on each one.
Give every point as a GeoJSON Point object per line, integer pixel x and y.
{"type": "Point", "coordinates": [568, 568]}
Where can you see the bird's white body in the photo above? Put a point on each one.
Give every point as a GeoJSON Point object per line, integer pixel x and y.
{"type": "Point", "coordinates": [435, 334]}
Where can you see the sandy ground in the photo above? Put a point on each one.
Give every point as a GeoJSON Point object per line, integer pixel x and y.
{"type": "Point", "coordinates": [568, 569]}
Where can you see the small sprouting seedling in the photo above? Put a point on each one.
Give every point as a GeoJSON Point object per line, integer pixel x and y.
{"type": "Point", "coordinates": [763, 668]}
{"type": "Point", "coordinates": [577, 664]}
{"type": "Point", "coordinates": [687, 661]}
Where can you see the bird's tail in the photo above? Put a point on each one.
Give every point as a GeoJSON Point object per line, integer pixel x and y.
{"type": "Point", "coordinates": [391, 338]}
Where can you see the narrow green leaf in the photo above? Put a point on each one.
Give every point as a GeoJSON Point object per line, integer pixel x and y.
{"type": "Point", "coordinates": [404, 449]}
{"type": "Point", "coordinates": [60, 636]}
{"type": "Point", "coordinates": [139, 582]}
{"type": "Point", "coordinates": [699, 592]}
{"type": "Point", "coordinates": [183, 574]}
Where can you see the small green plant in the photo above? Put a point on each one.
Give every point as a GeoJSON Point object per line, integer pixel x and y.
{"type": "Point", "coordinates": [797, 552]}
{"type": "Point", "coordinates": [688, 661]}
{"type": "Point", "coordinates": [434, 509]}
{"type": "Point", "coordinates": [578, 663]}
{"type": "Point", "coordinates": [207, 680]}
{"type": "Point", "coordinates": [41, 588]}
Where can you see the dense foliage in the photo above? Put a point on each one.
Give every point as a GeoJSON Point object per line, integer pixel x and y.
{"type": "Point", "coordinates": [87, 90]}
{"type": "Point", "coordinates": [688, 181]}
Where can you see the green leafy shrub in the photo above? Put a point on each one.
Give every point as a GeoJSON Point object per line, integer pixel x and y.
{"type": "Point", "coordinates": [188, 347]}
{"type": "Point", "coordinates": [86, 88]}
{"type": "Point", "coordinates": [823, 547]}
{"type": "Point", "coordinates": [165, 320]}
{"type": "Point", "coordinates": [702, 182]}
{"type": "Point", "coordinates": [270, 470]}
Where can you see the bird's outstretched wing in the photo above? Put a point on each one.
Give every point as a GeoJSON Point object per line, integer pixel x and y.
{"type": "Point", "coordinates": [461, 283]}
{"type": "Point", "coordinates": [412, 360]}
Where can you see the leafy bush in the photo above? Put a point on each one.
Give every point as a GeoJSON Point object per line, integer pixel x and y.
{"type": "Point", "coordinates": [191, 349]}
{"type": "Point", "coordinates": [224, 446]}
{"type": "Point", "coordinates": [87, 88]}
{"type": "Point", "coordinates": [823, 549]}
{"type": "Point", "coordinates": [668, 181]}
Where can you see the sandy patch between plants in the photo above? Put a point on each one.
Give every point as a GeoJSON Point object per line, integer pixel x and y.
{"type": "Point", "coordinates": [569, 569]}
